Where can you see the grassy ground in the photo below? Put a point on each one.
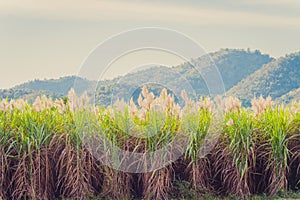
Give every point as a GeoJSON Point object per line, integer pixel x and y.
{"type": "Point", "coordinates": [183, 192]}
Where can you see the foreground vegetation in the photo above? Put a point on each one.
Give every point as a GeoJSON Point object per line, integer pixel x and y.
{"type": "Point", "coordinates": [253, 151]}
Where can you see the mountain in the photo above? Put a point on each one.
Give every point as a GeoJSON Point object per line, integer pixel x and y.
{"type": "Point", "coordinates": [291, 96]}
{"type": "Point", "coordinates": [54, 88]}
{"type": "Point", "coordinates": [234, 65]}
{"type": "Point", "coordinates": [59, 86]}
{"type": "Point", "coordinates": [276, 79]}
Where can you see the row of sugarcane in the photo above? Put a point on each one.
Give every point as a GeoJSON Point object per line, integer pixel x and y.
{"type": "Point", "coordinates": [54, 149]}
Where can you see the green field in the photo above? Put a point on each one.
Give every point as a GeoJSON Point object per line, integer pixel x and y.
{"type": "Point", "coordinates": [254, 151]}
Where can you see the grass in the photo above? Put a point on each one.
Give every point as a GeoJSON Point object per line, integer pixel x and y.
{"type": "Point", "coordinates": [183, 191]}
{"type": "Point", "coordinates": [44, 155]}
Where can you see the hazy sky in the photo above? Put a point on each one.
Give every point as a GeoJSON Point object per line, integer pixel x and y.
{"type": "Point", "coordinates": [49, 39]}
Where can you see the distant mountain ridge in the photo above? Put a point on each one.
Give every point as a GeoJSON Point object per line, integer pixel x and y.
{"type": "Point", "coordinates": [60, 86]}
{"type": "Point", "coordinates": [291, 96]}
{"type": "Point", "coordinates": [245, 73]}
{"type": "Point", "coordinates": [276, 79]}
{"type": "Point", "coordinates": [233, 64]}
{"type": "Point", "coordinates": [55, 88]}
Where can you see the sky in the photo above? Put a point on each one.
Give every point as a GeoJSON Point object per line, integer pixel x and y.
{"type": "Point", "coordinates": [51, 39]}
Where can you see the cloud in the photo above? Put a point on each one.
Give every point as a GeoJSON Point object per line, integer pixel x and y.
{"type": "Point", "coordinates": [286, 3]}
{"type": "Point", "coordinates": [145, 11]}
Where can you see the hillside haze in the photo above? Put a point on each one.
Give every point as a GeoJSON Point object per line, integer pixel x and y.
{"type": "Point", "coordinates": [55, 88]}
{"type": "Point", "coordinates": [245, 74]}
{"type": "Point", "coordinates": [234, 65]}
{"type": "Point", "coordinates": [279, 79]}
